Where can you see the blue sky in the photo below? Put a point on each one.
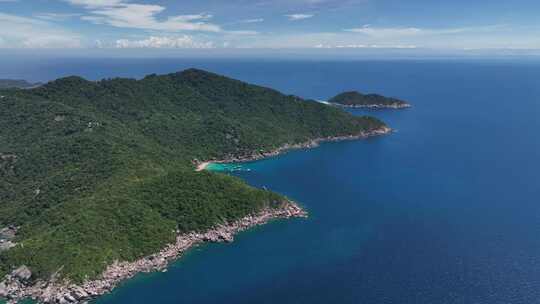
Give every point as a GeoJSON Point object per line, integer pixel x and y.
{"type": "Point", "coordinates": [318, 24]}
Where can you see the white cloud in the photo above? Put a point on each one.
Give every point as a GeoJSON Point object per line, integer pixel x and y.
{"type": "Point", "coordinates": [309, 5]}
{"type": "Point", "coordinates": [490, 36]}
{"type": "Point", "coordinates": [242, 33]}
{"type": "Point", "coordinates": [23, 32]}
{"type": "Point", "coordinates": [55, 16]}
{"type": "Point", "coordinates": [255, 20]}
{"type": "Point", "coordinates": [296, 17]}
{"type": "Point", "coordinates": [365, 46]}
{"type": "Point", "coordinates": [184, 42]}
{"type": "Point", "coordinates": [385, 32]}
{"type": "Point", "coordinates": [120, 13]}
{"type": "Point", "coordinates": [95, 3]}
{"type": "Point", "coordinates": [392, 32]}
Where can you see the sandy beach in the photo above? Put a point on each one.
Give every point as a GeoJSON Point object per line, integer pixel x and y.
{"type": "Point", "coordinates": [202, 166]}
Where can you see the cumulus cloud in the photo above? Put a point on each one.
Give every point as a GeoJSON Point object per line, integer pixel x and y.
{"type": "Point", "coordinates": [179, 42]}
{"type": "Point", "coordinates": [120, 13]}
{"type": "Point", "coordinates": [24, 32]}
{"type": "Point", "coordinates": [296, 17]}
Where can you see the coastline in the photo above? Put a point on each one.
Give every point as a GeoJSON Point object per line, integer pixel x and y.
{"type": "Point", "coordinates": [203, 165]}
{"type": "Point", "coordinates": [53, 291]}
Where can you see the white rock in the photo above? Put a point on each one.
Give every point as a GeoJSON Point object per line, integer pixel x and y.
{"type": "Point", "coordinates": [22, 273]}
{"type": "Point", "coordinates": [3, 290]}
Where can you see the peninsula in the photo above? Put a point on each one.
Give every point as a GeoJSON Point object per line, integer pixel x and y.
{"type": "Point", "coordinates": [98, 180]}
{"type": "Point", "coordinates": [358, 100]}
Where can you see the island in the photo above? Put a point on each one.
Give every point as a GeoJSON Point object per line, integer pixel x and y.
{"type": "Point", "coordinates": [17, 83]}
{"type": "Point", "coordinates": [356, 99]}
{"type": "Point", "coordinates": [98, 179]}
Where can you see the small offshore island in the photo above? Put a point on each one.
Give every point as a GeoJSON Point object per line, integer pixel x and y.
{"type": "Point", "coordinates": [102, 180]}
{"type": "Point", "coordinates": [356, 99]}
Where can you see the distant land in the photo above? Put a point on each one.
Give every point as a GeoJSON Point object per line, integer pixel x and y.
{"type": "Point", "coordinates": [98, 179]}
{"type": "Point", "coordinates": [359, 100]}
{"type": "Point", "coordinates": [17, 83]}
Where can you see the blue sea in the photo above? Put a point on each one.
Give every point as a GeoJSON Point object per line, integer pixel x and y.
{"type": "Point", "coordinates": [444, 210]}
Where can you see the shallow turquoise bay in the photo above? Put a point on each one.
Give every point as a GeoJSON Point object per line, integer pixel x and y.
{"type": "Point", "coordinates": [226, 168]}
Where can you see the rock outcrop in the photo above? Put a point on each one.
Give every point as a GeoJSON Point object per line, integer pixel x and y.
{"type": "Point", "coordinates": [7, 235]}
{"type": "Point", "coordinates": [22, 273]}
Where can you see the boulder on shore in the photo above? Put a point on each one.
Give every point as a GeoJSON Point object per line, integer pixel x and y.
{"type": "Point", "coordinates": [3, 290]}
{"type": "Point", "coordinates": [22, 273]}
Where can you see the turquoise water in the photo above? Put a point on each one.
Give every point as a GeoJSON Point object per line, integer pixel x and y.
{"type": "Point", "coordinates": [446, 210]}
{"type": "Point", "coordinates": [226, 168]}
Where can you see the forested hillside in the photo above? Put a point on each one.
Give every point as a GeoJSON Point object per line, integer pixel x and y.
{"type": "Point", "coordinates": [92, 172]}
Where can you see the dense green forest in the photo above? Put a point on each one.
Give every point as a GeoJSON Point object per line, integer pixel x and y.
{"type": "Point", "coordinates": [365, 100]}
{"type": "Point", "coordinates": [94, 172]}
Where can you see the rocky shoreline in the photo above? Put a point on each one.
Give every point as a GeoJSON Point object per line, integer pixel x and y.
{"type": "Point", "coordinates": [376, 106]}
{"type": "Point", "coordinates": [18, 286]}
{"type": "Point", "coordinates": [201, 165]}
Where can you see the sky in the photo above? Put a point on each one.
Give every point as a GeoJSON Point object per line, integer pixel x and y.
{"type": "Point", "coordinates": [458, 25]}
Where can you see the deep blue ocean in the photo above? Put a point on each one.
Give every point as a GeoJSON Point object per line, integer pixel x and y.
{"type": "Point", "coordinates": [445, 210]}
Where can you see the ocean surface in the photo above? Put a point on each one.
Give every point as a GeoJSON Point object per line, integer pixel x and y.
{"type": "Point", "coordinates": [445, 210]}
